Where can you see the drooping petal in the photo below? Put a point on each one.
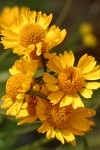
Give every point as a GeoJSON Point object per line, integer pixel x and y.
{"type": "Point", "coordinates": [49, 78]}
{"type": "Point", "coordinates": [67, 135]}
{"type": "Point", "coordinates": [77, 102]}
{"type": "Point", "coordinates": [22, 113]}
{"type": "Point", "coordinates": [52, 87]}
{"type": "Point", "coordinates": [59, 136]}
{"type": "Point", "coordinates": [55, 97]}
{"type": "Point", "coordinates": [50, 132]}
{"type": "Point", "coordinates": [51, 65]}
{"type": "Point", "coordinates": [67, 100]}
{"type": "Point", "coordinates": [75, 131]}
{"type": "Point", "coordinates": [43, 128]}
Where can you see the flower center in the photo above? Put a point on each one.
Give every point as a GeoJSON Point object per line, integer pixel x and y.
{"type": "Point", "coordinates": [32, 103]}
{"type": "Point", "coordinates": [13, 85]}
{"type": "Point", "coordinates": [60, 117]}
{"type": "Point", "coordinates": [71, 80]}
{"type": "Point", "coordinates": [30, 34]}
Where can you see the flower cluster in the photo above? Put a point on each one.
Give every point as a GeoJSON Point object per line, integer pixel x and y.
{"type": "Point", "coordinates": [53, 95]}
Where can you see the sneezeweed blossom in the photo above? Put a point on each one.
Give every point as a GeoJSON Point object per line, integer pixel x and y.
{"type": "Point", "coordinates": [90, 40]}
{"type": "Point", "coordinates": [18, 84]}
{"type": "Point", "coordinates": [63, 122]}
{"type": "Point", "coordinates": [27, 113]}
{"type": "Point", "coordinates": [86, 28]}
{"type": "Point", "coordinates": [31, 32]}
{"type": "Point", "coordinates": [88, 37]}
{"type": "Point", "coordinates": [71, 80]}
{"type": "Point", "coordinates": [9, 15]}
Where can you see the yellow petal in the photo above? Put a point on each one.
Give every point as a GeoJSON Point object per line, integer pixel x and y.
{"type": "Point", "coordinates": [92, 75]}
{"type": "Point", "coordinates": [55, 97]}
{"type": "Point", "coordinates": [81, 126]}
{"type": "Point", "coordinates": [89, 67]}
{"type": "Point", "coordinates": [51, 65]}
{"type": "Point", "coordinates": [49, 78]}
{"type": "Point", "coordinates": [67, 135]}
{"type": "Point", "coordinates": [88, 61]}
{"type": "Point", "coordinates": [20, 96]}
{"type": "Point", "coordinates": [6, 98]}
{"type": "Point", "coordinates": [74, 131]}
{"type": "Point", "coordinates": [69, 58]}
{"type": "Point", "coordinates": [59, 136]}
{"type": "Point", "coordinates": [50, 132]}
{"type": "Point", "coordinates": [63, 59]}
{"type": "Point", "coordinates": [92, 85]}
{"type": "Point", "coordinates": [82, 61]}
{"type": "Point", "coordinates": [22, 113]}
{"type": "Point", "coordinates": [7, 104]}
{"type": "Point", "coordinates": [52, 87]}
{"type": "Point", "coordinates": [36, 87]}
{"type": "Point", "coordinates": [83, 112]}
{"type": "Point", "coordinates": [27, 120]}
{"type": "Point", "coordinates": [87, 93]}
{"type": "Point", "coordinates": [44, 90]}
{"type": "Point", "coordinates": [67, 100]}
{"type": "Point", "coordinates": [77, 102]}
{"type": "Point", "coordinates": [43, 128]}
{"type": "Point", "coordinates": [57, 62]}
{"type": "Point", "coordinates": [39, 47]}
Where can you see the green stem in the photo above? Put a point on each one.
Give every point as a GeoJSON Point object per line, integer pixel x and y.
{"type": "Point", "coordinates": [37, 93]}
{"type": "Point", "coordinates": [44, 63]}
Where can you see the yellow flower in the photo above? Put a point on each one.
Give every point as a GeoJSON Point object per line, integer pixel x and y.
{"type": "Point", "coordinates": [71, 80]}
{"type": "Point", "coordinates": [25, 66]}
{"type": "Point", "coordinates": [86, 28]}
{"type": "Point", "coordinates": [9, 15]}
{"type": "Point", "coordinates": [90, 40]}
{"type": "Point", "coordinates": [31, 32]}
{"type": "Point", "coordinates": [18, 84]}
{"type": "Point", "coordinates": [28, 110]}
{"type": "Point", "coordinates": [63, 122]}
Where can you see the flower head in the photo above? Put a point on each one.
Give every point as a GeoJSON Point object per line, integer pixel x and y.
{"type": "Point", "coordinates": [28, 111]}
{"type": "Point", "coordinates": [18, 84]}
{"type": "Point", "coordinates": [71, 80]}
{"type": "Point", "coordinates": [86, 28]}
{"type": "Point", "coordinates": [63, 122]}
{"type": "Point", "coordinates": [30, 32]}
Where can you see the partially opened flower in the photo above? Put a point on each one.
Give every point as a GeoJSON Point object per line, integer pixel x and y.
{"type": "Point", "coordinates": [70, 81]}
{"type": "Point", "coordinates": [63, 122]}
{"type": "Point", "coordinates": [27, 113]}
{"type": "Point", "coordinates": [18, 84]}
{"type": "Point", "coordinates": [9, 15]}
{"type": "Point", "coordinates": [31, 32]}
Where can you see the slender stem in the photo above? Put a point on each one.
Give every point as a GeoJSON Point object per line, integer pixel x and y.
{"type": "Point", "coordinates": [37, 94]}
{"type": "Point", "coordinates": [64, 12]}
{"type": "Point", "coordinates": [44, 63]}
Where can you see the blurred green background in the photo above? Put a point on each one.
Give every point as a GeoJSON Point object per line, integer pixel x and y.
{"type": "Point", "coordinates": [68, 14]}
